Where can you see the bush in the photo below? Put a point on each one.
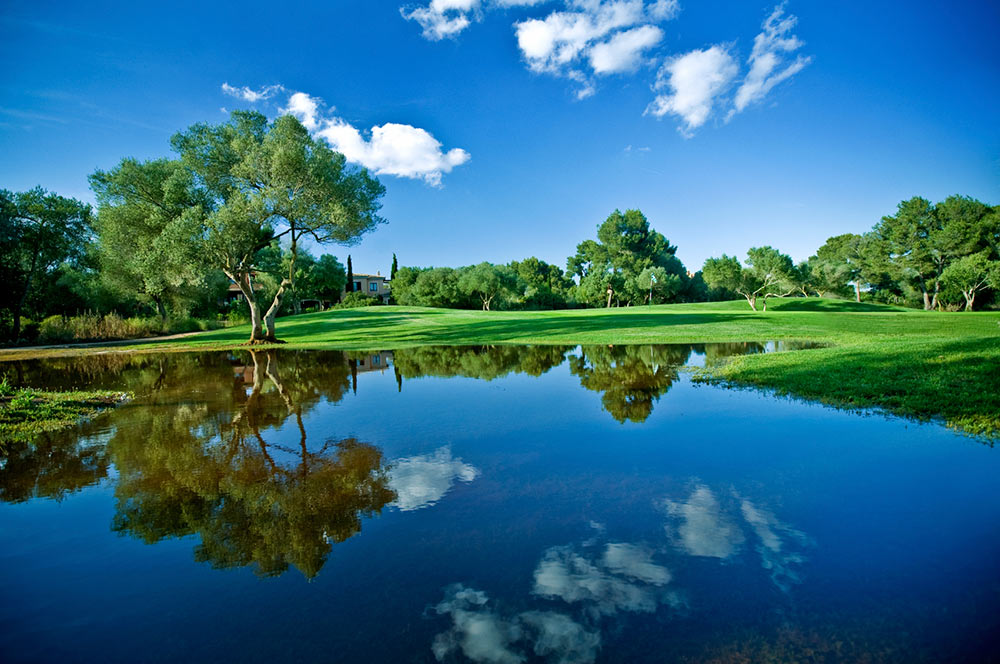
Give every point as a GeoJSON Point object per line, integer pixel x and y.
{"type": "Point", "coordinates": [93, 327]}
{"type": "Point", "coordinates": [357, 299]}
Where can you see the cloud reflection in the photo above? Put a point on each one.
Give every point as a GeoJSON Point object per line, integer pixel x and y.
{"type": "Point", "coordinates": [703, 526]}
{"type": "Point", "coordinates": [704, 530]}
{"type": "Point", "coordinates": [482, 635]}
{"type": "Point", "coordinates": [421, 481]}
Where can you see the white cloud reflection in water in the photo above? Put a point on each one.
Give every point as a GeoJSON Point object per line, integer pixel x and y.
{"type": "Point", "coordinates": [701, 526]}
{"type": "Point", "coordinates": [421, 481]}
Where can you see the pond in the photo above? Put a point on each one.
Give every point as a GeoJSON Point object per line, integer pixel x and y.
{"type": "Point", "coordinates": [500, 505]}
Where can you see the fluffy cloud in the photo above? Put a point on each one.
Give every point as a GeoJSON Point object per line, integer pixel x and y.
{"type": "Point", "coordinates": [483, 635]}
{"type": "Point", "coordinates": [420, 481]}
{"type": "Point", "coordinates": [248, 94]}
{"type": "Point", "coordinates": [690, 84]}
{"type": "Point", "coordinates": [703, 529]}
{"type": "Point", "coordinates": [442, 18]}
{"type": "Point", "coordinates": [623, 52]}
{"type": "Point", "coordinates": [592, 37]}
{"type": "Point", "coordinates": [624, 579]}
{"type": "Point", "coordinates": [392, 149]}
{"type": "Point", "coordinates": [768, 61]}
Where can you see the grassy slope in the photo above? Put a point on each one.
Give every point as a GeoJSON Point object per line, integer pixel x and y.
{"type": "Point", "coordinates": [923, 364]}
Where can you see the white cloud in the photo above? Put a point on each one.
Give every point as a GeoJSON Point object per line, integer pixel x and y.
{"type": "Point", "coordinates": [392, 149]}
{"type": "Point", "coordinates": [623, 579]}
{"type": "Point", "coordinates": [482, 635]}
{"type": "Point", "coordinates": [305, 108]}
{"type": "Point", "coordinates": [703, 529]}
{"type": "Point", "coordinates": [767, 60]}
{"type": "Point", "coordinates": [442, 18]}
{"type": "Point", "coordinates": [779, 545]}
{"type": "Point", "coordinates": [247, 94]}
{"type": "Point", "coordinates": [420, 481]}
{"type": "Point", "coordinates": [690, 84]}
{"type": "Point", "coordinates": [623, 52]}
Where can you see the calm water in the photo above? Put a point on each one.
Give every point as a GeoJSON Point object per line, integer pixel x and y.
{"type": "Point", "coordinates": [494, 505]}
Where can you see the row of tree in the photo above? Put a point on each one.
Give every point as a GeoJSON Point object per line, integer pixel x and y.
{"type": "Point", "coordinates": [236, 203]}
{"type": "Point", "coordinates": [938, 255]}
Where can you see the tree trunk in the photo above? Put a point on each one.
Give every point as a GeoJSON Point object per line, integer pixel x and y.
{"type": "Point", "coordinates": [272, 311]}
{"type": "Point", "coordinates": [857, 292]}
{"type": "Point", "coordinates": [160, 309]}
{"type": "Point", "coordinates": [927, 301]}
{"type": "Point", "coordinates": [970, 298]}
{"type": "Point", "coordinates": [765, 303]}
{"type": "Point", "coordinates": [752, 301]}
{"type": "Point", "coordinates": [246, 287]}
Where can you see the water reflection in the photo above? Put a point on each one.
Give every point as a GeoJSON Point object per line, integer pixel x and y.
{"type": "Point", "coordinates": [584, 585]}
{"type": "Point", "coordinates": [702, 526]}
{"type": "Point", "coordinates": [254, 492]}
{"type": "Point", "coordinates": [420, 481]}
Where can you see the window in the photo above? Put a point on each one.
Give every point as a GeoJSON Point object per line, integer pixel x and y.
{"type": "Point", "coordinates": [357, 285]}
{"type": "Point", "coordinates": [373, 286]}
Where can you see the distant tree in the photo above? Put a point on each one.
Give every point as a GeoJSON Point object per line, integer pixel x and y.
{"type": "Point", "coordinates": [769, 273]}
{"type": "Point", "coordinates": [39, 231]}
{"type": "Point", "coordinates": [661, 285]}
{"type": "Point", "coordinates": [542, 286]}
{"type": "Point", "coordinates": [272, 180]}
{"type": "Point", "coordinates": [149, 219]}
{"type": "Point", "coordinates": [972, 274]}
{"type": "Point", "coordinates": [840, 261]}
{"type": "Point", "coordinates": [437, 287]}
{"type": "Point", "coordinates": [395, 266]}
{"type": "Point", "coordinates": [487, 282]}
{"type": "Point", "coordinates": [328, 278]}
{"type": "Point", "coordinates": [625, 246]}
{"type": "Point", "coordinates": [350, 275]}
{"type": "Point", "coordinates": [402, 286]}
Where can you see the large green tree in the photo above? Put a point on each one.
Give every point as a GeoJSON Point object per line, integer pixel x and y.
{"type": "Point", "coordinates": [768, 273]}
{"type": "Point", "coordinates": [268, 181]}
{"type": "Point", "coordinates": [39, 231]}
{"type": "Point", "coordinates": [487, 283]}
{"type": "Point", "coordinates": [149, 223]}
{"type": "Point", "coordinates": [625, 247]}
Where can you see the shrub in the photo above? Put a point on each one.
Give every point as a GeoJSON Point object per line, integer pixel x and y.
{"type": "Point", "coordinates": [357, 299]}
{"type": "Point", "coordinates": [55, 329]}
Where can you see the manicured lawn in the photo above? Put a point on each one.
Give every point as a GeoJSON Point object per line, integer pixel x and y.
{"type": "Point", "coordinates": [914, 363]}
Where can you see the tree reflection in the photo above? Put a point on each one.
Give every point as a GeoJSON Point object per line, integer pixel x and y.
{"type": "Point", "coordinates": [630, 378]}
{"type": "Point", "coordinates": [483, 362]}
{"type": "Point", "coordinates": [246, 483]}
{"type": "Point", "coordinates": [54, 465]}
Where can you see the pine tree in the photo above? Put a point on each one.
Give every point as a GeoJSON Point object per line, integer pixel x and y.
{"type": "Point", "coordinates": [395, 265]}
{"type": "Point", "coordinates": [350, 275]}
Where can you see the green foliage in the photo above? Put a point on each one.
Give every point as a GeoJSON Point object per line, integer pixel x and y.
{"type": "Point", "coordinates": [971, 274]}
{"type": "Point", "coordinates": [26, 414]}
{"type": "Point", "coordinates": [271, 180]}
{"type": "Point", "coordinates": [38, 232]}
{"type": "Point", "coordinates": [357, 299]}
{"type": "Point", "coordinates": [487, 283]}
{"type": "Point", "coordinates": [97, 327]}
{"type": "Point", "coordinates": [625, 246]}
{"type": "Point", "coordinates": [541, 285]}
{"type": "Point", "coordinates": [769, 273]}
{"type": "Point", "coordinates": [149, 222]}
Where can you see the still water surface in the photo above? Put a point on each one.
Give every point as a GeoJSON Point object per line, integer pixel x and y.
{"type": "Point", "coordinates": [497, 505]}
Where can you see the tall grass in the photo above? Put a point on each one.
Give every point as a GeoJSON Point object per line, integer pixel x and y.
{"type": "Point", "coordinates": [95, 327]}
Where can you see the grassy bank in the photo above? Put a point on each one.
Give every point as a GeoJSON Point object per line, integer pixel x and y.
{"type": "Point", "coordinates": [915, 363]}
{"type": "Point", "coordinates": [26, 413]}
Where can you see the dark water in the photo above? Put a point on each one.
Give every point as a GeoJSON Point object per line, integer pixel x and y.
{"type": "Point", "coordinates": [494, 505]}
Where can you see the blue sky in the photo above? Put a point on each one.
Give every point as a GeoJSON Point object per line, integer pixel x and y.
{"type": "Point", "coordinates": [524, 127]}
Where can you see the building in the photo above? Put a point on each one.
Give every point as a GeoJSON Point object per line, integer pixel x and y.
{"type": "Point", "coordinates": [370, 284]}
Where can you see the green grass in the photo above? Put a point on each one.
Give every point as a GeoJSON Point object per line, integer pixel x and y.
{"type": "Point", "coordinates": [26, 413]}
{"type": "Point", "coordinates": [913, 363]}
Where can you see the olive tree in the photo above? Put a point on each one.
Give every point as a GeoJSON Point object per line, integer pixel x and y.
{"type": "Point", "coordinates": [769, 273]}
{"type": "Point", "coordinates": [269, 181]}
